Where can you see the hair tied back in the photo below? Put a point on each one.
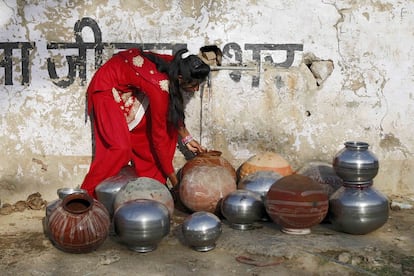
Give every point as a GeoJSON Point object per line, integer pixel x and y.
{"type": "Point", "coordinates": [185, 54]}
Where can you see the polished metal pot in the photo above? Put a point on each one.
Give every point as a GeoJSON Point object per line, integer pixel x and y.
{"type": "Point", "coordinates": [107, 190]}
{"type": "Point", "coordinates": [358, 209]}
{"type": "Point", "coordinates": [201, 230]}
{"type": "Point", "coordinates": [141, 224]}
{"type": "Point", "coordinates": [259, 182]}
{"type": "Point", "coordinates": [242, 208]}
{"type": "Point", "coordinates": [355, 162]}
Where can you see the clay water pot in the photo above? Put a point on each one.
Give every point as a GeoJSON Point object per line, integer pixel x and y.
{"type": "Point", "coordinates": [355, 162]}
{"type": "Point", "coordinates": [141, 224]}
{"type": "Point", "coordinates": [242, 208]}
{"type": "Point", "coordinates": [201, 230]}
{"type": "Point", "coordinates": [358, 209]}
{"type": "Point", "coordinates": [107, 190]}
{"type": "Point", "coordinates": [266, 161]}
{"type": "Point", "coordinates": [203, 186]}
{"type": "Point", "coordinates": [79, 224]}
{"type": "Point", "coordinates": [62, 193]}
{"type": "Point", "coordinates": [51, 206]}
{"type": "Point", "coordinates": [145, 188]}
{"type": "Point", "coordinates": [296, 202]}
{"type": "Point", "coordinates": [211, 158]}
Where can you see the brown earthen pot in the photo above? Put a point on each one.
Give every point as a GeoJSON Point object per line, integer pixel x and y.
{"type": "Point", "coordinates": [266, 161]}
{"type": "Point", "coordinates": [296, 202]}
{"type": "Point", "coordinates": [210, 158]}
{"type": "Point", "coordinates": [79, 224]}
{"type": "Point", "coordinates": [205, 180]}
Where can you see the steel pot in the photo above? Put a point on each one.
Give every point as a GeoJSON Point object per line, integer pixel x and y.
{"type": "Point", "coordinates": [107, 190]}
{"type": "Point", "coordinates": [358, 209]}
{"type": "Point", "coordinates": [242, 208]}
{"type": "Point", "coordinates": [355, 162]}
{"type": "Point", "coordinates": [259, 182]}
{"type": "Point", "coordinates": [141, 224]}
{"type": "Point", "coordinates": [201, 230]}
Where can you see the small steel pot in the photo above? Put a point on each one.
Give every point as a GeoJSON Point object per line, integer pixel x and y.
{"type": "Point", "coordinates": [242, 208]}
{"type": "Point", "coordinates": [201, 230]}
{"type": "Point", "coordinates": [63, 192]}
{"type": "Point", "coordinates": [355, 162]}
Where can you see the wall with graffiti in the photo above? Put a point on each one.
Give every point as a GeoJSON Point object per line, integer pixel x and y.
{"type": "Point", "coordinates": [296, 79]}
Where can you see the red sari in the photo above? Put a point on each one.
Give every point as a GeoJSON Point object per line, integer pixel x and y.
{"type": "Point", "coordinates": [149, 142]}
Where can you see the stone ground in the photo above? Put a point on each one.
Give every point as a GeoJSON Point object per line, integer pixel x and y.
{"type": "Point", "coordinates": [265, 250]}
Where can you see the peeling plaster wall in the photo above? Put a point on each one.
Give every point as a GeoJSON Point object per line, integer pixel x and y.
{"type": "Point", "coordinates": [351, 81]}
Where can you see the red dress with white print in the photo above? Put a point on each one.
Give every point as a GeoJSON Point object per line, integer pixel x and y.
{"type": "Point", "coordinates": [128, 100]}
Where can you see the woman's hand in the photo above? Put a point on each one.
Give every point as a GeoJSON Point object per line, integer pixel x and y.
{"type": "Point", "coordinates": [172, 185]}
{"type": "Point", "coordinates": [172, 180]}
{"type": "Point", "coordinates": [195, 147]}
{"type": "Point", "coordinates": [189, 141]}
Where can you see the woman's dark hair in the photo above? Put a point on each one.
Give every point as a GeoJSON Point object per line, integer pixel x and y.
{"type": "Point", "coordinates": [189, 69]}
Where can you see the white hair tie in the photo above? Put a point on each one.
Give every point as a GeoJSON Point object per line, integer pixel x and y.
{"type": "Point", "coordinates": [185, 55]}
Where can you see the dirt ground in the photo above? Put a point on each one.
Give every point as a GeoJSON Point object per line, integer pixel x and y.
{"type": "Point", "coordinates": [265, 250]}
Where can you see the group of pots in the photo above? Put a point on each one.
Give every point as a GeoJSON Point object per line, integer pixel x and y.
{"type": "Point", "coordinates": [339, 193]}
{"type": "Point", "coordinates": [265, 187]}
{"type": "Point", "coordinates": [138, 210]}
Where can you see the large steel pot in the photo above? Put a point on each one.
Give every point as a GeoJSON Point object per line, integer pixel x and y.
{"type": "Point", "coordinates": [107, 190]}
{"type": "Point", "coordinates": [358, 209]}
{"type": "Point", "coordinates": [141, 224]}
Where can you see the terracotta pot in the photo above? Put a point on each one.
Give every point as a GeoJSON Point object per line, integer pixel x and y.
{"type": "Point", "coordinates": [211, 158]}
{"type": "Point", "coordinates": [51, 206]}
{"type": "Point", "coordinates": [203, 186]}
{"type": "Point", "coordinates": [266, 161]}
{"type": "Point", "coordinates": [296, 203]}
{"type": "Point", "coordinates": [145, 188]}
{"type": "Point", "coordinates": [79, 224]}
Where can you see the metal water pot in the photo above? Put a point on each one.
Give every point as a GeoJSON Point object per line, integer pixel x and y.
{"type": "Point", "coordinates": [355, 162]}
{"type": "Point", "coordinates": [242, 208]}
{"type": "Point", "coordinates": [141, 224]}
{"type": "Point", "coordinates": [201, 230]}
{"type": "Point", "coordinates": [358, 209]}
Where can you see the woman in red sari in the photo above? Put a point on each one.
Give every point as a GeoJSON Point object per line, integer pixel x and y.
{"type": "Point", "coordinates": [136, 104]}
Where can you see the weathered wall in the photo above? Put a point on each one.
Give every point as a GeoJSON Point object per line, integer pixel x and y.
{"type": "Point", "coordinates": [323, 73]}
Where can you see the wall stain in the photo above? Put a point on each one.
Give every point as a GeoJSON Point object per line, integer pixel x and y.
{"type": "Point", "coordinates": [43, 166]}
{"type": "Point", "coordinates": [390, 143]}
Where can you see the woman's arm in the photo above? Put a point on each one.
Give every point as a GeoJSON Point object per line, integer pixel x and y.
{"type": "Point", "coordinates": [189, 140]}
